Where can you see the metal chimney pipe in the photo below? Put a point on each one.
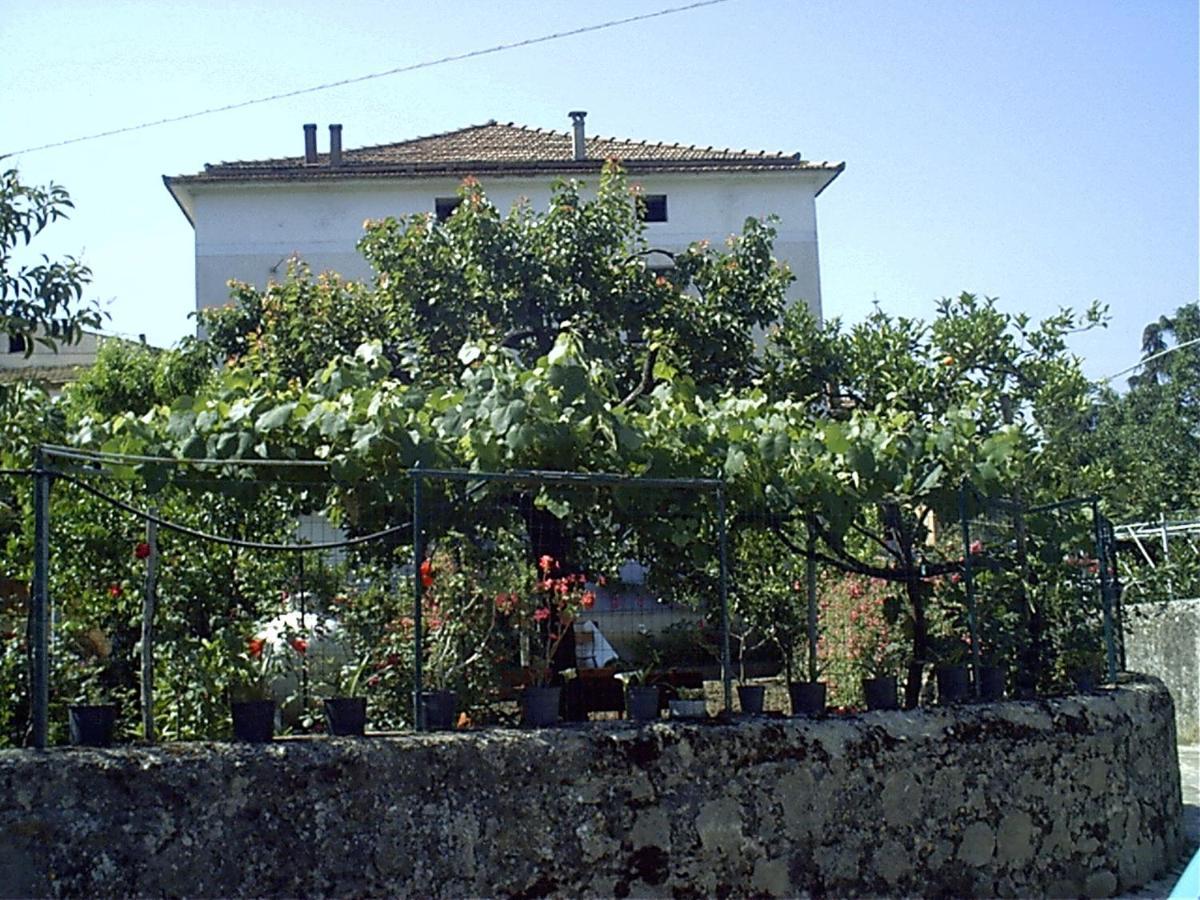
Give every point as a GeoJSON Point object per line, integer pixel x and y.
{"type": "Point", "coordinates": [580, 149]}
{"type": "Point", "coordinates": [310, 143]}
{"type": "Point", "coordinates": [335, 145]}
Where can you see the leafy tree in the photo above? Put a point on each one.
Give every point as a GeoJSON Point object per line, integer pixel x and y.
{"type": "Point", "coordinates": [41, 301]}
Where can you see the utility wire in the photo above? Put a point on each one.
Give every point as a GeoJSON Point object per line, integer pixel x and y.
{"type": "Point", "coordinates": [412, 67]}
{"type": "Point", "coordinates": [1142, 362]}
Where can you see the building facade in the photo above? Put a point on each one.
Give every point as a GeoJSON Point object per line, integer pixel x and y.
{"type": "Point", "coordinates": [251, 217]}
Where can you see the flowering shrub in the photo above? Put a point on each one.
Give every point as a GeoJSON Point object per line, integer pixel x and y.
{"type": "Point", "coordinates": [544, 613]}
{"type": "Point", "coordinates": [861, 635]}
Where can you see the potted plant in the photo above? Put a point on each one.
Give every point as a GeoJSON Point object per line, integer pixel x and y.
{"type": "Point", "coordinates": [251, 704]}
{"type": "Point", "coordinates": [950, 669]}
{"type": "Point", "coordinates": [543, 615]}
{"type": "Point", "coordinates": [91, 717]}
{"type": "Point", "coordinates": [880, 658]}
{"type": "Point", "coordinates": [346, 709]}
{"type": "Point", "coordinates": [689, 705]}
{"type": "Point", "coordinates": [641, 697]}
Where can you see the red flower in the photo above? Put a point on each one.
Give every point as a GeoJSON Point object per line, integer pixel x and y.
{"type": "Point", "coordinates": [115, 590]}
{"type": "Point", "coordinates": [588, 600]}
{"type": "Point", "coordinates": [976, 547]}
{"type": "Point", "coordinates": [255, 647]}
{"type": "Point", "coordinates": [546, 563]}
{"type": "Point", "coordinates": [427, 573]}
{"type": "Point", "coordinates": [541, 614]}
{"type": "Point", "coordinates": [142, 550]}
{"type": "Point", "coordinates": [300, 645]}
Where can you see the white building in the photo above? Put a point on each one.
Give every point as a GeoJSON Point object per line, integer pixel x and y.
{"type": "Point", "coordinates": [250, 217]}
{"type": "Point", "coordinates": [23, 357]}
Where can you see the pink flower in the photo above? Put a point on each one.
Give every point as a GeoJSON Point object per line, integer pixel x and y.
{"type": "Point", "coordinates": [115, 591]}
{"type": "Point", "coordinates": [541, 614]}
{"type": "Point", "coordinates": [976, 547]}
{"type": "Point", "coordinates": [588, 600]}
{"type": "Point", "coordinates": [546, 563]}
{"type": "Point", "coordinates": [955, 577]}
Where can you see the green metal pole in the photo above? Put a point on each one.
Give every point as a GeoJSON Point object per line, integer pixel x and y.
{"type": "Point", "coordinates": [726, 667]}
{"type": "Point", "coordinates": [39, 610]}
{"type": "Point", "coordinates": [1110, 648]}
{"type": "Point", "coordinates": [149, 600]}
{"type": "Point", "coordinates": [811, 573]}
{"type": "Point", "coordinates": [969, 582]}
{"type": "Point", "coordinates": [418, 558]}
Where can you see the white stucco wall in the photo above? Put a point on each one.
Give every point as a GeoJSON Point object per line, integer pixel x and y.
{"type": "Point", "coordinates": [246, 232]}
{"type": "Point", "coordinates": [82, 353]}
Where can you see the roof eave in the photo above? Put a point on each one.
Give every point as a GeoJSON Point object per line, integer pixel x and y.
{"type": "Point", "coordinates": [832, 173]}
{"type": "Point", "coordinates": [179, 193]}
{"type": "Point", "coordinates": [492, 167]}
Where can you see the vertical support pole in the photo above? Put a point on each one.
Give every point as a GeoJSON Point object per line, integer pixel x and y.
{"type": "Point", "coordinates": [969, 583]}
{"type": "Point", "coordinates": [1162, 524]}
{"type": "Point", "coordinates": [811, 578]}
{"type": "Point", "coordinates": [304, 633]}
{"type": "Point", "coordinates": [726, 666]}
{"type": "Point", "coordinates": [149, 601]}
{"type": "Point", "coordinates": [418, 557]}
{"type": "Point", "coordinates": [39, 608]}
{"type": "Point", "coordinates": [1110, 647]}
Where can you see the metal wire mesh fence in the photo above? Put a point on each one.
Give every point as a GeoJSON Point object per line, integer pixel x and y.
{"type": "Point", "coordinates": [171, 587]}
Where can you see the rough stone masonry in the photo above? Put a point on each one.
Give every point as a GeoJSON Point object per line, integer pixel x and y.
{"type": "Point", "coordinates": [1061, 797]}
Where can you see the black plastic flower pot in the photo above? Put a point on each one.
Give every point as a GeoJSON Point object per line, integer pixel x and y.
{"type": "Point", "coordinates": [751, 698]}
{"type": "Point", "coordinates": [441, 710]}
{"type": "Point", "coordinates": [253, 720]}
{"type": "Point", "coordinates": [880, 693]}
{"type": "Point", "coordinates": [808, 698]}
{"type": "Point", "coordinates": [92, 726]}
{"type": "Point", "coordinates": [991, 683]}
{"type": "Point", "coordinates": [539, 706]}
{"type": "Point", "coordinates": [346, 716]}
{"type": "Point", "coordinates": [1084, 680]}
{"type": "Point", "coordinates": [641, 702]}
{"type": "Point", "coordinates": [953, 684]}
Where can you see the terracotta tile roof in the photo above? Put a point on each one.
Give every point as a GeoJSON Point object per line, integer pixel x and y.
{"type": "Point", "coordinates": [493, 148]}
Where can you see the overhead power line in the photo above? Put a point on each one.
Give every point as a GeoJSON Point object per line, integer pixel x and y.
{"type": "Point", "coordinates": [411, 67]}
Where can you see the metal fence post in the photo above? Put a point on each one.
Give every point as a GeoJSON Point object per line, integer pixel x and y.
{"type": "Point", "coordinates": [39, 609]}
{"type": "Point", "coordinates": [969, 583]}
{"type": "Point", "coordinates": [149, 601]}
{"type": "Point", "coordinates": [418, 558]}
{"type": "Point", "coordinates": [726, 667]}
{"type": "Point", "coordinates": [811, 578]}
{"type": "Point", "coordinates": [1110, 649]}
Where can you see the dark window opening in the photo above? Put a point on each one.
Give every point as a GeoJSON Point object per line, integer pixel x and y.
{"type": "Point", "coordinates": [653, 208]}
{"type": "Point", "coordinates": [444, 207]}
{"type": "Point", "coordinates": [17, 343]}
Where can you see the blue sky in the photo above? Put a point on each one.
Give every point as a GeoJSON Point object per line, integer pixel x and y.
{"type": "Point", "coordinates": [1041, 152]}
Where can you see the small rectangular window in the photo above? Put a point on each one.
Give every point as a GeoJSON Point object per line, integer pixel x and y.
{"type": "Point", "coordinates": [653, 208]}
{"type": "Point", "coordinates": [16, 343]}
{"type": "Point", "coordinates": [444, 207]}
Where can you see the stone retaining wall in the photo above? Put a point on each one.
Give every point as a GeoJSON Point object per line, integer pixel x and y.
{"type": "Point", "coordinates": [1062, 797]}
{"type": "Point", "coordinates": [1163, 639]}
